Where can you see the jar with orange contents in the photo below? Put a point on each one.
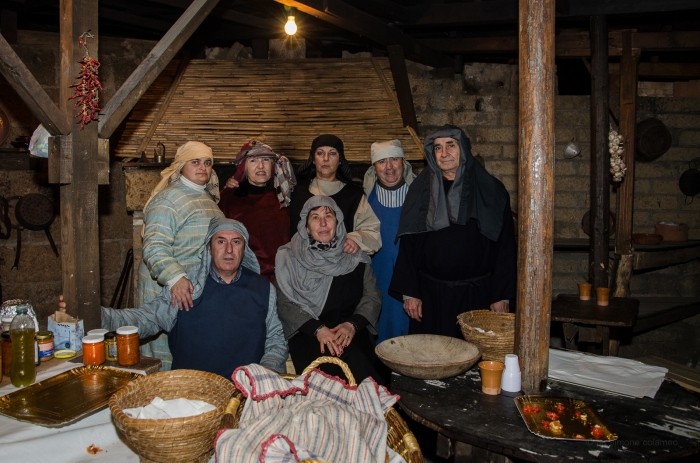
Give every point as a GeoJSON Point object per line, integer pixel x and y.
{"type": "Point", "coordinates": [94, 349]}
{"type": "Point", "coordinates": [128, 346]}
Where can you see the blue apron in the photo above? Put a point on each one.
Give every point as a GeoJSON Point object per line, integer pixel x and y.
{"type": "Point", "coordinates": [393, 320]}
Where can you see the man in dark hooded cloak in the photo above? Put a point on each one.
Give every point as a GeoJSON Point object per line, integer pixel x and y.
{"type": "Point", "coordinates": [457, 250]}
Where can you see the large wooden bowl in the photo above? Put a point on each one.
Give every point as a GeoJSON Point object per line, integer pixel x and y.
{"type": "Point", "coordinates": [427, 356]}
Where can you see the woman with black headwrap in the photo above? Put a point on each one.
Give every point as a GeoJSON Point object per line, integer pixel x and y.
{"type": "Point", "coordinates": [457, 250]}
{"type": "Point", "coordinates": [327, 173]}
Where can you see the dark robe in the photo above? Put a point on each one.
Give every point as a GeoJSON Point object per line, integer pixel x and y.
{"type": "Point", "coordinates": [343, 298]}
{"type": "Point", "coordinates": [435, 267]}
{"type": "Point", "coordinates": [268, 224]}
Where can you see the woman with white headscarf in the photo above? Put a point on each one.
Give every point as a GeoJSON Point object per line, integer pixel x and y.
{"type": "Point", "coordinates": [327, 300]}
{"type": "Point", "coordinates": [176, 220]}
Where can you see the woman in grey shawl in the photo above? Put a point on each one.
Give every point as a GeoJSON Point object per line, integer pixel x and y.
{"type": "Point", "coordinates": [327, 300]}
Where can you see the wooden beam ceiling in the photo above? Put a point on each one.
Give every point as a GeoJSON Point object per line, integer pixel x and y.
{"type": "Point", "coordinates": [350, 18]}
{"type": "Point", "coordinates": [143, 76]}
{"type": "Point", "coordinates": [31, 91]}
{"type": "Point", "coordinates": [573, 44]}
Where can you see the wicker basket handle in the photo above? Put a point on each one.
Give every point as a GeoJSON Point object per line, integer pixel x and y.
{"type": "Point", "coordinates": [335, 361]}
{"type": "Point", "coordinates": [229, 420]}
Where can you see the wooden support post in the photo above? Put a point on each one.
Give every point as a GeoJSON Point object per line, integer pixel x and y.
{"type": "Point", "coordinates": [402, 85]}
{"type": "Point", "coordinates": [536, 191]}
{"type": "Point", "coordinates": [79, 231]}
{"type": "Point", "coordinates": [31, 91]}
{"type": "Point", "coordinates": [600, 158]}
{"type": "Point", "coordinates": [625, 192]}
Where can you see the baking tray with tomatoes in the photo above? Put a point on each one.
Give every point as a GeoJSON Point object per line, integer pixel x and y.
{"type": "Point", "coordinates": [562, 418]}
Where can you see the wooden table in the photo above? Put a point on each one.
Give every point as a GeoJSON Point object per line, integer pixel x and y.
{"type": "Point", "coordinates": [476, 427]}
{"type": "Point", "coordinates": [591, 321]}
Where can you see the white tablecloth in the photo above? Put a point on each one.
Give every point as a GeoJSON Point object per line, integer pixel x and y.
{"type": "Point", "coordinates": [26, 442]}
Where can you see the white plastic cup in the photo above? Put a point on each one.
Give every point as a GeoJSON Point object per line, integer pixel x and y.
{"type": "Point", "coordinates": [511, 381]}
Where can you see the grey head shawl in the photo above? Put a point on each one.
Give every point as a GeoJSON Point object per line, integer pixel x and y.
{"type": "Point", "coordinates": [305, 275]}
{"type": "Point", "coordinates": [474, 193]}
{"type": "Point", "coordinates": [216, 225]}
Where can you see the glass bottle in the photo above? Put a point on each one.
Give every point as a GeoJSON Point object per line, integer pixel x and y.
{"type": "Point", "coordinates": [23, 368]}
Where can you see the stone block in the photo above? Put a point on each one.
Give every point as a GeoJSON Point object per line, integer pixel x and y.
{"type": "Point", "coordinates": [510, 151]}
{"type": "Point", "coordinates": [678, 105]}
{"type": "Point", "coordinates": [495, 135]}
{"type": "Point", "coordinates": [583, 135]}
{"type": "Point", "coordinates": [680, 121]}
{"type": "Point", "coordinates": [487, 150]}
{"type": "Point", "coordinates": [666, 187]}
{"type": "Point", "coordinates": [572, 119]}
{"type": "Point", "coordinates": [566, 264]}
{"type": "Point", "coordinates": [563, 166]}
{"type": "Point", "coordinates": [436, 118]}
{"type": "Point", "coordinates": [571, 184]}
{"type": "Point", "coordinates": [501, 168]}
{"type": "Point", "coordinates": [642, 222]}
{"type": "Point", "coordinates": [420, 102]}
{"type": "Point", "coordinates": [656, 202]}
{"type": "Point", "coordinates": [566, 230]}
{"type": "Point", "coordinates": [656, 170]}
{"type": "Point", "coordinates": [511, 184]}
{"type": "Point", "coordinates": [508, 102]}
{"type": "Point", "coordinates": [581, 102]}
{"type": "Point", "coordinates": [509, 118]}
{"type": "Point", "coordinates": [24, 182]}
{"type": "Point", "coordinates": [678, 153]}
{"type": "Point", "coordinates": [44, 297]}
{"type": "Point", "coordinates": [37, 264]}
{"type": "Point", "coordinates": [115, 223]}
{"type": "Point", "coordinates": [564, 134]}
{"type": "Point", "coordinates": [111, 258]}
{"type": "Point", "coordinates": [41, 62]}
{"type": "Point", "coordinates": [689, 138]}
{"type": "Point", "coordinates": [490, 79]}
{"type": "Point", "coordinates": [443, 101]}
{"type": "Point", "coordinates": [568, 216]}
{"type": "Point", "coordinates": [573, 200]}
{"type": "Point", "coordinates": [642, 186]}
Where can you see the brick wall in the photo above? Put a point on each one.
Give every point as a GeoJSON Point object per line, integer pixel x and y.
{"type": "Point", "coordinates": [39, 276]}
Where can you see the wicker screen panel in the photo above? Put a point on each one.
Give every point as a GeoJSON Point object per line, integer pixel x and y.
{"type": "Point", "coordinates": [290, 102]}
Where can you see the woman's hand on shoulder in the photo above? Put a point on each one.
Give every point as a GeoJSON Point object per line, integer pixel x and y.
{"type": "Point", "coordinates": [181, 293]}
{"type": "Point", "coordinates": [343, 334]}
{"type": "Point", "coordinates": [326, 338]}
{"type": "Point", "coordinates": [232, 183]}
{"type": "Point", "coordinates": [350, 246]}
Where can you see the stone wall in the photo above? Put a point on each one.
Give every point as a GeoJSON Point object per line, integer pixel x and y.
{"type": "Point", "coordinates": [39, 276]}
{"type": "Point", "coordinates": [484, 102]}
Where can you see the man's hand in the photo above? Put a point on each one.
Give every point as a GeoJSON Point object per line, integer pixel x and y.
{"type": "Point", "coordinates": [232, 183]}
{"type": "Point", "coordinates": [182, 294]}
{"type": "Point", "coordinates": [61, 304]}
{"type": "Point", "coordinates": [414, 308]}
{"type": "Point", "coordinates": [350, 247]}
{"type": "Point", "coordinates": [500, 307]}
{"type": "Point", "coordinates": [326, 338]}
{"type": "Point", "coordinates": [343, 334]}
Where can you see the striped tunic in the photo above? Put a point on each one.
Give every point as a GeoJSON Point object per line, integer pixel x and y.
{"type": "Point", "coordinates": [176, 223]}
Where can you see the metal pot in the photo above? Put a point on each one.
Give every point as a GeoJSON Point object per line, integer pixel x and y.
{"type": "Point", "coordinates": [689, 182]}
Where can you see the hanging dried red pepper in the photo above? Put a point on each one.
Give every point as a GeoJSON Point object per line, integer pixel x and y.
{"type": "Point", "coordinates": [86, 106]}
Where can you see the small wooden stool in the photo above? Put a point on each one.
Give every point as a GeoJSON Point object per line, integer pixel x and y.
{"type": "Point", "coordinates": [591, 321]}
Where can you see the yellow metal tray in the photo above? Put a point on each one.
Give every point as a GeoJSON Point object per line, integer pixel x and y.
{"type": "Point", "coordinates": [578, 420]}
{"type": "Point", "coordinates": [67, 397]}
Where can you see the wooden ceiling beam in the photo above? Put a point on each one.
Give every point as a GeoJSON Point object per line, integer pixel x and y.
{"type": "Point", "coordinates": [347, 17]}
{"type": "Point", "coordinates": [31, 91]}
{"type": "Point", "coordinates": [506, 11]}
{"type": "Point", "coordinates": [572, 44]}
{"type": "Point", "coordinates": [143, 76]}
{"type": "Point", "coordinates": [664, 70]}
{"type": "Point", "coordinates": [122, 17]}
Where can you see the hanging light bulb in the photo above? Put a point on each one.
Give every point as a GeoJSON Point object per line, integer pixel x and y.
{"type": "Point", "coordinates": [291, 27]}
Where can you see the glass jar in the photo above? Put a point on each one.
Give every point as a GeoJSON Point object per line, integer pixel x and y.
{"type": "Point", "coordinates": [111, 346]}
{"type": "Point", "coordinates": [24, 349]}
{"type": "Point", "coordinates": [45, 341]}
{"type": "Point", "coordinates": [6, 353]}
{"type": "Point", "coordinates": [93, 350]}
{"type": "Point", "coordinates": [6, 320]}
{"type": "Point", "coordinates": [128, 346]}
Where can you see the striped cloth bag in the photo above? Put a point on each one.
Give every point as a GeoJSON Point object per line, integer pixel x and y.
{"type": "Point", "coordinates": [314, 416]}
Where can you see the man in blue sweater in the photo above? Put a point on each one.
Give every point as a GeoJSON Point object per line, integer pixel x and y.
{"type": "Point", "coordinates": [234, 319]}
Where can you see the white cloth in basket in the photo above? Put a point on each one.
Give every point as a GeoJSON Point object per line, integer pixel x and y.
{"type": "Point", "coordinates": [313, 416]}
{"type": "Point", "coordinates": [160, 409]}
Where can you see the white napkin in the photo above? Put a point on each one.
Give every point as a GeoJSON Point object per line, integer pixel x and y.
{"type": "Point", "coordinates": [612, 374]}
{"type": "Point", "coordinates": [160, 409]}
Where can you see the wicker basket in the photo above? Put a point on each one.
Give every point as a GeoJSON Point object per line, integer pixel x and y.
{"type": "Point", "coordinates": [399, 436]}
{"type": "Point", "coordinates": [493, 346]}
{"type": "Point", "coordinates": [189, 439]}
